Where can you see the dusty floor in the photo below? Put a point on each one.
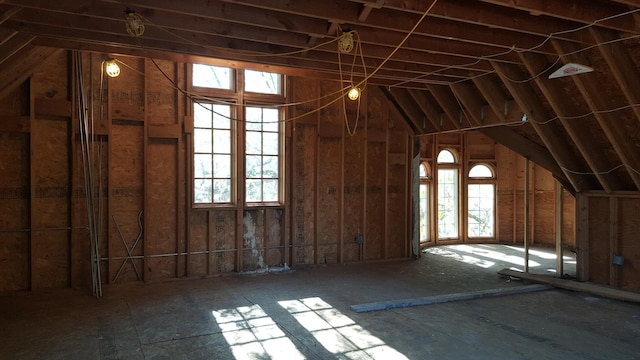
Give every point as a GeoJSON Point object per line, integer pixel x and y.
{"type": "Point", "coordinates": [305, 314]}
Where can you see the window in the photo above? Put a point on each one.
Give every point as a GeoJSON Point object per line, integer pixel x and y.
{"type": "Point", "coordinates": [424, 203]}
{"type": "Point", "coordinates": [262, 149]}
{"type": "Point", "coordinates": [212, 153]}
{"type": "Point", "coordinates": [447, 195]}
{"type": "Point", "coordinates": [262, 82]}
{"type": "Point", "coordinates": [214, 77]}
{"type": "Point", "coordinates": [220, 126]}
{"type": "Point", "coordinates": [481, 201]}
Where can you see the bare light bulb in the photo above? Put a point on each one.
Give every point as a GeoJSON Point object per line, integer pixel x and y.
{"type": "Point", "coordinates": [111, 68]}
{"type": "Point", "coordinates": [354, 93]}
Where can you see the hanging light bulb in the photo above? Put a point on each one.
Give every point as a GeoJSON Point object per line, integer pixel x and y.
{"type": "Point", "coordinates": [111, 68]}
{"type": "Point", "coordinates": [345, 44]}
{"type": "Point", "coordinates": [354, 93]}
{"type": "Point", "coordinates": [135, 26]}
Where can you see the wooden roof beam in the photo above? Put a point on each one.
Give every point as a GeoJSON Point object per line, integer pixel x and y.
{"type": "Point", "coordinates": [490, 15]}
{"type": "Point", "coordinates": [430, 110]}
{"type": "Point", "coordinates": [414, 113]}
{"type": "Point", "coordinates": [219, 47]}
{"type": "Point", "coordinates": [589, 12]}
{"type": "Point", "coordinates": [579, 134]}
{"type": "Point", "coordinates": [503, 106]}
{"type": "Point", "coordinates": [530, 150]}
{"type": "Point", "coordinates": [46, 24]}
{"type": "Point", "coordinates": [367, 7]}
{"type": "Point", "coordinates": [449, 103]}
{"type": "Point", "coordinates": [476, 108]}
{"type": "Point", "coordinates": [549, 133]}
{"type": "Point", "coordinates": [621, 65]}
{"type": "Point", "coordinates": [589, 87]}
{"type": "Point", "coordinates": [409, 121]}
{"type": "Point", "coordinates": [389, 24]}
{"type": "Point", "coordinates": [9, 13]}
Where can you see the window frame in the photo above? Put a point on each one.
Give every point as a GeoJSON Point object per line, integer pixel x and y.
{"type": "Point", "coordinates": [483, 181]}
{"type": "Point", "coordinates": [455, 165]}
{"type": "Point", "coordinates": [238, 100]}
{"type": "Point", "coordinates": [427, 182]}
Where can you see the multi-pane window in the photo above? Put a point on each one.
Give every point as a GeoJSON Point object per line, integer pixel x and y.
{"type": "Point", "coordinates": [212, 153]}
{"type": "Point", "coordinates": [447, 195]}
{"type": "Point", "coordinates": [220, 126]}
{"type": "Point", "coordinates": [262, 149]}
{"type": "Point", "coordinates": [424, 203]}
{"type": "Point", "coordinates": [481, 202]}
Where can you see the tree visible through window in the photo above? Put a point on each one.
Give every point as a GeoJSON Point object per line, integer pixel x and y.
{"type": "Point", "coordinates": [447, 196]}
{"type": "Point", "coordinates": [212, 153]}
{"type": "Point", "coordinates": [481, 202]}
{"type": "Point", "coordinates": [424, 203]}
{"type": "Point", "coordinates": [217, 130]}
{"type": "Point", "coordinates": [262, 149]}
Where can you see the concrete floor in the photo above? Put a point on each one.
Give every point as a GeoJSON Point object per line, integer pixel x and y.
{"type": "Point", "coordinates": [305, 314]}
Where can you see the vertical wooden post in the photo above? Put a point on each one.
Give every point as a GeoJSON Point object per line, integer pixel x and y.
{"type": "Point", "coordinates": [110, 185]}
{"type": "Point", "coordinates": [341, 189]}
{"type": "Point", "coordinates": [32, 185]}
{"type": "Point", "coordinates": [526, 215]}
{"type": "Point", "coordinates": [386, 190]}
{"type": "Point", "coordinates": [73, 127]}
{"type": "Point", "coordinates": [182, 244]}
{"type": "Point", "coordinates": [289, 185]}
{"type": "Point", "coordinates": [582, 237]}
{"type": "Point", "coordinates": [559, 207]}
{"type": "Point", "coordinates": [187, 130]}
{"type": "Point", "coordinates": [145, 174]}
{"type": "Point", "coordinates": [613, 240]}
{"type": "Point", "coordinates": [240, 174]}
{"type": "Point", "coordinates": [532, 205]}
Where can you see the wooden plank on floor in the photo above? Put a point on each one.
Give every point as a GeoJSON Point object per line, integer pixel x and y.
{"type": "Point", "coordinates": [438, 299]}
{"type": "Point", "coordinates": [591, 288]}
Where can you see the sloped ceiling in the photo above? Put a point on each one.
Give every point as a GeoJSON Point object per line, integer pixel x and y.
{"type": "Point", "coordinates": [476, 64]}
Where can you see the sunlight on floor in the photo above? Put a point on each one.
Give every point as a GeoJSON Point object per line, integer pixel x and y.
{"type": "Point", "coordinates": [252, 334]}
{"type": "Point", "coordinates": [541, 254]}
{"type": "Point", "coordinates": [460, 257]}
{"type": "Point", "coordinates": [336, 332]}
{"type": "Point", "coordinates": [489, 255]}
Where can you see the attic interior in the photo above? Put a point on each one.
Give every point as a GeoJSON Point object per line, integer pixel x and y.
{"type": "Point", "coordinates": [229, 142]}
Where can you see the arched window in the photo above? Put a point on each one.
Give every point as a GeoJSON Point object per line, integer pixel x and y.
{"type": "Point", "coordinates": [481, 202]}
{"type": "Point", "coordinates": [446, 157]}
{"type": "Point", "coordinates": [424, 202]}
{"type": "Point", "coordinates": [448, 190]}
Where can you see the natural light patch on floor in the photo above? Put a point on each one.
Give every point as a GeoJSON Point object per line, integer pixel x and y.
{"type": "Point", "coordinates": [460, 257]}
{"type": "Point", "coordinates": [495, 255]}
{"type": "Point", "coordinates": [540, 254]}
{"type": "Point", "coordinates": [252, 334]}
{"type": "Point", "coordinates": [336, 332]}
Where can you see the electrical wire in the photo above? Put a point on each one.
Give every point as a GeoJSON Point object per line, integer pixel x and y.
{"type": "Point", "coordinates": [344, 105]}
{"type": "Point", "coordinates": [518, 50]}
{"type": "Point", "coordinates": [236, 51]}
{"type": "Point", "coordinates": [196, 98]}
{"type": "Point", "coordinates": [289, 119]}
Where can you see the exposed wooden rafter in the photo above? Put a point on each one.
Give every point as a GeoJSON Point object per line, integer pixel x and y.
{"type": "Point", "coordinates": [451, 74]}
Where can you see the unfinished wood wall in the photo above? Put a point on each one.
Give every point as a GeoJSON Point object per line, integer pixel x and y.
{"type": "Point", "coordinates": [609, 227]}
{"type": "Point", "coordinates": [348, 196]}
{"type": "Point", "coordinates": [339, 188]}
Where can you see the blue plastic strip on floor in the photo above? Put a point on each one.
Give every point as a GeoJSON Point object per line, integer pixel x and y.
{"type": "Point", "coordinates": [438, 299]}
